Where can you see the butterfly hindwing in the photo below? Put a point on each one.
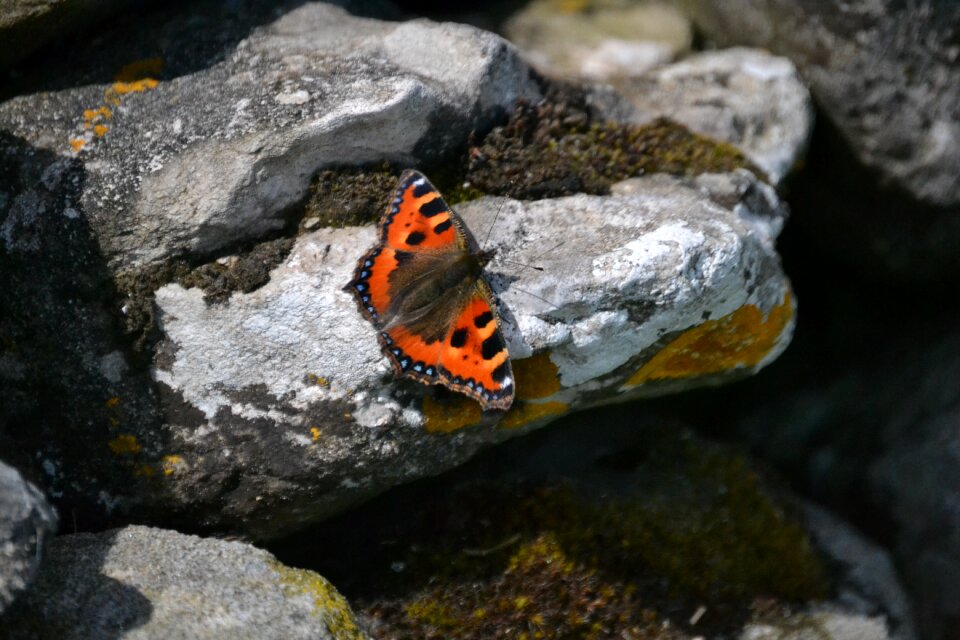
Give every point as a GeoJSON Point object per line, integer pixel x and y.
{"type": "Point", "coordinates": [474, 359]}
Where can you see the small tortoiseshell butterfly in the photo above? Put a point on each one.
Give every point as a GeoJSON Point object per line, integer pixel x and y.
{"type": "Point", "coordinates": [422, 287]}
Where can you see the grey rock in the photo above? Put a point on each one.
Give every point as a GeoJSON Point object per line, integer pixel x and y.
{"type": "Point", "coordinates": [747, 97]}
{"type": "Point", "coordinates": [194, 163]}
{"type": "Point", "coordinates": [602, 41]}
{"type": "Point", "coordinates": [139, 583]}
{"type": "Point", "coordinates": [868, 583]}
{"type": "Point", "coordinates": [885, 73]}
{"type": "Point", "coordinates": [26, 523]}
{"type": "Point", "coordinates": [282, 408]}
{"type": "Point", "coordinates": [891, 452]}
{"type": "Point", "coordinates": [822, 624]}
{"type": "Point", "coordinates": [27, 25]}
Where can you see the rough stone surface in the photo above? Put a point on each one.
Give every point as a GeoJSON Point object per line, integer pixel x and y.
{"type": "Point", "coordinates": [867, 582]}
{"type": "Point", "coordinates": [280, 401]}
{"type": "Point", "coordinates": [26, 521]}
{"type": "Point", "coordinates": [601, 41]}
{"type": "Point", "coordinates": [139, 583]}
{"type": "Point", "coordinates": [818, 625]}
{"type": "Point", "coordinates": [878, 439]}
{"type": "Point", "coordinates": [885, 73]}
{"type": "Point", "coordinates": [188, 164]}
{"type": "Point", "coordinates": [747, 97]}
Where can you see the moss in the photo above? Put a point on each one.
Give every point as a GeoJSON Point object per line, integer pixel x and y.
{"type": "Point", "coordinates": [564, 561]}
{"type": "Point", "coordinates": [558, 148]}
{"type": "Point", "coordinates": [332, 607]}
{"type": "Point", "coordinates": [350, 196]}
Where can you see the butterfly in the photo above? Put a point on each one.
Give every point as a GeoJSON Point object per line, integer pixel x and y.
{"type": "Point", "coordinates": [422, 287]}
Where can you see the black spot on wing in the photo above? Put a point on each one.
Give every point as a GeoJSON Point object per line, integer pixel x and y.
{"type": "Point", "coordinates": [458, 338]}
{"type": "Point", "coordinates": [492, 346]}
{"type": "Point", "coordinates": [415, 238]}
{"type": "Point", "coordinates": [501, 372]}
{"type": "Point", "coordinates": [483, 320]}
{"type": "Point", "coordinates": [432, 208]}
{"type": "Point", "coordinates": [402, 257]}
{"type": "Point", "coordinates": [422, 189]}
{"type": "Point", "coordinates": [443, 226]}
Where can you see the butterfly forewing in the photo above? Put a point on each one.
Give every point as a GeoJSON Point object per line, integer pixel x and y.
{"type": "Point", "coordinates": [421, 286]}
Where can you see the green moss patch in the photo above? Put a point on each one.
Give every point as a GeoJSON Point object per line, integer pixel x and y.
{"type": "Point", "coordinates": [558, 148]}
{"type": "Point", "coordinates": [690, 526]}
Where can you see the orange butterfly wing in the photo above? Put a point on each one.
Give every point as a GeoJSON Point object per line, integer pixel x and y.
{"type": "Point", "coordinates": [464, 347]}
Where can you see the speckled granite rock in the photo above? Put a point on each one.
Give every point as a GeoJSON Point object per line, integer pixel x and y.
{"type": "Point", "coordinates": [885, 73]}
{"type": "Point", "coordinates": [26, 522]}
{"type": "Point", "coordinates": [747, 97]}
{"type": "Point", "coordinates": [315, 87]}
{"type": "Point", "coordinates": [139, 583]}
{"type": "Point", "coordinates": [281, 407]}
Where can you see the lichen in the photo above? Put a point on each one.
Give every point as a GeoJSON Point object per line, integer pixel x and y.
{"type": "Point", "coordinates": [536, 378]}
{"type": "Point", "coordinates": [329, 605]}
{"type": "Point", "coordinates": [124, 444]}
{"type": "Point", "coordinates": [561, 560]}
{"type": "Point", "coordinates": [740, 339]}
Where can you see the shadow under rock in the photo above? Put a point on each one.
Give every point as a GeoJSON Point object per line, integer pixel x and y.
{"type": "Point", "coordinates": [71, 597]}
{"type": "Point", "coordinates": [179, 38]}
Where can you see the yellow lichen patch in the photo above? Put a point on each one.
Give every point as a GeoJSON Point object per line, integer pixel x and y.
{"type": "Point", "coordinates": [103, 113]}
{"type": "Point", "coordinates": [741, 339]}
{"type": "Point", "coordinates": [77, 143]}
{"type": "Point", "coordinates": [100, 130]}
{"type": "Point", "coordinates": [450, 416]}
{"type": "Point", "coordinates": [143, 471]}
{"type": "Point", "coordinates": [124, 444]}
{"type": "Point", "coordinates": [331, 607]}
{"type": "Point", "coordinates": [170, 464]}
{"type": "Point", "coordinates": [526, 412]}
{"type": "Point", "coordinates": [536, 377]}
{"type": "Point", "coordinates": [314, 434]}
{"type": "Point", "coordinates": [139, 69]}
{"type": "Point", "coordinates": [320, 381]}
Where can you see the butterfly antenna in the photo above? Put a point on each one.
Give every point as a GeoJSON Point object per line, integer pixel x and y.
{"type": "Point", "coordinates": [530, 293]}
{"type": "Point", "coordinates": [522, 264]}
{"type": "Point", "coordinates": [490, 228]}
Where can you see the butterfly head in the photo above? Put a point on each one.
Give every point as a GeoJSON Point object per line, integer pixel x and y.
{"type": "Point", "coordinates": [485, 256]}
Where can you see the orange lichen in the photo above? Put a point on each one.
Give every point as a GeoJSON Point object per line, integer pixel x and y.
{"type": "Point", "coordinates": [740, 339]}
{"type": "Point", "coordinates": [536, 377]}
{"type": "Point", "coordinates": [139, 69]}
{"type": "Point", "coordinates": [77, 143]}
{"type": "Point", "coordinates": [112, 402]}
{"type": "Point", "coordinates": [124, 444]}
{"type": "Point", "coordinates": [450, 416]}
{"type": "Point", "coordinates": [100, 130]}
{"type": "Point", "coordinates": [143, 471]}
{"type": "Point", "coordinates": [526, 412]}
{"type": "Point", "coordinates": [170, 463]}
{"type": "Point", "coordinates": [314, 434]}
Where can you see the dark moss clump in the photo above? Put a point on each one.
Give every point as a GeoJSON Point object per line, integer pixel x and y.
{"type": "Point", "coordinates": [557, 148]}
{"type": "Point", "coordinates": [350, 196]}
{"type": "Point", "coordinates": [692, 526]}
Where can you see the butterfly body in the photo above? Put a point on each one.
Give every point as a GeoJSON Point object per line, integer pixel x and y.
{"type": "Point", "coordinates": [422, 287]}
